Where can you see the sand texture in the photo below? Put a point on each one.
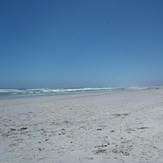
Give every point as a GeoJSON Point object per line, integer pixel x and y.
{"type": "Point", "coordinates": [124, 126]}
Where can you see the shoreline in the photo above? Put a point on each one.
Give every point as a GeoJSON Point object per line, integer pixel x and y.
{"type": "Point", "coordinates": [23, 93]}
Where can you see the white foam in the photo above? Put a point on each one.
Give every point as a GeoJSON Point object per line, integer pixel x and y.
{"type": "Point", "coordinates": [47, 91]}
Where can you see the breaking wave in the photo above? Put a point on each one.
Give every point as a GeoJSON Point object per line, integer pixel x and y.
{"type": "Point", "coordinates": [47, 91]}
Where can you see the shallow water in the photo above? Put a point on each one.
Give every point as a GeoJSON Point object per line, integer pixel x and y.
{"type": "Point", "coordinates": [11, 93]}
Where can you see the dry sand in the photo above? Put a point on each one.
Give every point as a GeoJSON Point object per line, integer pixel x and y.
{"type": "Point", "coordinates": [124, 126]}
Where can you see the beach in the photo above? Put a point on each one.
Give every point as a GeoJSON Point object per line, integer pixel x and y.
{"type": "Point", "coordinates": [120, 126]}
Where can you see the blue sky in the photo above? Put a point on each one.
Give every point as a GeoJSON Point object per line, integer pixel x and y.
{"type": "Point", "coordinates": [74, 43]}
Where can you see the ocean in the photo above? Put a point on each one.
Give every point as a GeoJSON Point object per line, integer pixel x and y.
{"type": "Point", "coordinates": [11, 93]}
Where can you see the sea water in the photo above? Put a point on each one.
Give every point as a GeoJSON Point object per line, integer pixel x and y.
{"type": "Point", "coordinates": [10, 93]}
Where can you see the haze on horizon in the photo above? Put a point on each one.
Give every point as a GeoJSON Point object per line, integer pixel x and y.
{"type": "Point", "coordinates": [68, 44]}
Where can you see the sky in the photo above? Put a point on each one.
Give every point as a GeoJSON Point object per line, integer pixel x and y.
{"type": "Point", "coordinates": [81, 43]}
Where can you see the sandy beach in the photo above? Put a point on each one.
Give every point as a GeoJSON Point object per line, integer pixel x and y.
{"type": "Point", "coordinates": [122, 126]}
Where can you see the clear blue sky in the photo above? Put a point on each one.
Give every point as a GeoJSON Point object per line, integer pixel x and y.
{"type": "Point", "coordinates": [81, 43]}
